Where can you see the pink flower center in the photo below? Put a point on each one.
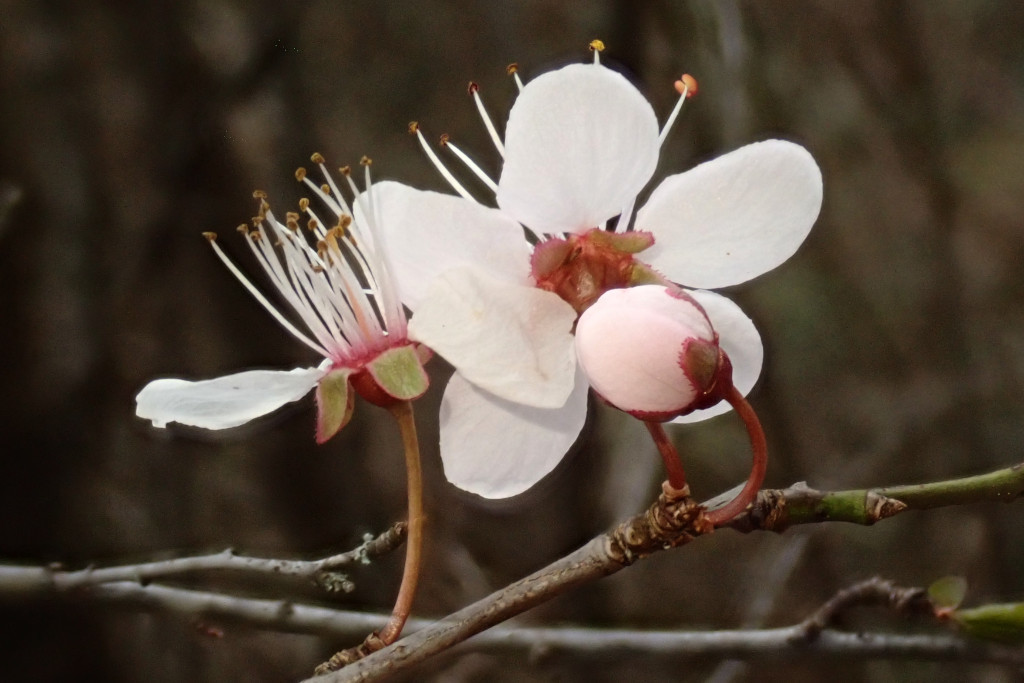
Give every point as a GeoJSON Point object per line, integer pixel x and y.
{"type": "Point", "coordinates": [583, 266]}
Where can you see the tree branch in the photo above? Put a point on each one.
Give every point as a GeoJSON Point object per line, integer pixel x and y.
{"type": "Point", "coordinates": [674, 520]}
{"type": "Point", "coordinates": [779, 509]}
{"type": "Point", "coordinates": [762, 644]}
{"type": "Point", "coordinates": [28, 581]}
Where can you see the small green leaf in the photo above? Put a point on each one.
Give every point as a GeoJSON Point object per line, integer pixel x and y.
{"type": "Point", "coordinates": [334, 402]}
{"type": "Point", "coordinates": [1002, 623]}
{"type": "Point", "coordinates": [948, 592]}
{"type": "Point", "coordinates": [399, 372]}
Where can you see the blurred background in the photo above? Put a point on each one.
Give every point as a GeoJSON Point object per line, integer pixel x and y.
{"type": "Point", "coordinates": [894, 338]}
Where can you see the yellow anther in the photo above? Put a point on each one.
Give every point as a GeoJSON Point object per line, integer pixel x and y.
{"type": "Point", "coordinates": [259, 194]}
{"type": "Point", "coordinates": [300, 174]}
{"type": "Point", "coordinates": [365, 161]}
{"type": "Point", "coordinates": [317, 158]}
{"type": "Point", "coordinates": [597, 46]}
{"type": "Point", "coordinates": [243, 228]}
{"type": "Point", "coordinates": [414, 126]}
{"type": "Point", "coordinates": [304, 204]}
{"type": "Point", "coordinates": [443, 140]}
{"type": "Point", "coordinates": [210, 235]}
{"type": "Point", "coordinates": [512, 68]}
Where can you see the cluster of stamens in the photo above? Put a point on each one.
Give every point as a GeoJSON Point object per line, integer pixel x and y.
{"type": "Point", "coordinates": [334, 279]}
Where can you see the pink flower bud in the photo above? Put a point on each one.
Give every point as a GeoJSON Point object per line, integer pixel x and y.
{"type": "Point", "coordinates": [651, 351]}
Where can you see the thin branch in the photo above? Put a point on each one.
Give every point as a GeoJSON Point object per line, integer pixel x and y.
{"type": "Point", "coordinates": [874, 591]}
{"type": "Point", "coordinates": [673, 520]}
{"type": "Point", "coordinates": [762, 644]}
{"type": "Point", "coordinates": [27, 581]}
{"type": "Point", "coordinates": [779, 509]}
{"type": "Point", "coordinates": [670, 522]}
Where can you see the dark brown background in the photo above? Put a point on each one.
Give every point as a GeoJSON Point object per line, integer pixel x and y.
{"type": "Point", "coordinates": [895, 338]}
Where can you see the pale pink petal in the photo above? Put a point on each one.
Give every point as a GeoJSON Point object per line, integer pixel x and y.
{"type": "Point", "coordinates": [223, 402]}
{"type": "Point", "coordinates": [741, 342]}
{"type": "Point", "coordinates": [581, 142]}
{"type": "Point", "coordinates": [496, 448]}
{"type": "Point", "coordinates": [425, 233]}
{"type": "Point", "coordinates": [734, 217]}
{"type": "Point", "coordinates": [629, 343]}
{"type": "Point", "coordinates": [515, 341]}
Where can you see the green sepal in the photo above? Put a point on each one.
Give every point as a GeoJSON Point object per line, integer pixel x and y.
{"type": "Point", "coordinates": [399, 373]}
{"type": "Point", "coordinates": [643, 274]}
{"type": "Point", "coordinates": [1002, 623]}
{"type": "Point", "coordinates": [632, 242]}
{"type": "Point", "coordinates": [948, 592]}
{"type": "Point", "coordinates": [334, 402]}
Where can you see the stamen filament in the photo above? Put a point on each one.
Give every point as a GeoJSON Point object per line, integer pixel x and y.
{"type": "Point", "coordinates": [685, 86]}
{"type": "Point", "coordinates": [265, 303]}
{"type": "Point", "coordinates": [470, 164]}
{"type": "Point", "coordinates": [441, 168]}
{"type": "Point", "coordinates": [626, 216]}
{"type": "Point", "coordinates": [263, 248]}
{"type": "Point", "coordinates": [474, 90]}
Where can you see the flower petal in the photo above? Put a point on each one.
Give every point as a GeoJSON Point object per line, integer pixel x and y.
{"type": "Point", "coordinates": [223, 402]}
{"type": "Point", "coordinates": [495, 448]}
{"type": "Point", "coordinates": [512, 340]}
{"type": "Point", "coordinates": [741, 342]}
{"type": "Point", "coordinates": [734, 217]}
{"type": "Point", "coordinates": [581, 142]}
{"type": "Point", "coordinates": [425, 233]}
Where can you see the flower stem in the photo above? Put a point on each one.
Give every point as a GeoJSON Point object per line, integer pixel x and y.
{"type": "Point", "coordinates": [669, 455]}
{"type": "Point", "coordinates": [414, 543]}
{"type": "Point", "coordinates": [759, 446]}
{"type": "Point", "coordinates": [413, 550]}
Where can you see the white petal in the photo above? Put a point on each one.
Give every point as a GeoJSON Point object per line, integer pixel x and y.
{"type": "Point", "coordinates": [424, 233]}
{"type": "Point", "coordinates": [734, 217]}
{"type": "Point", "coordinates": [223, 402]}
{"type": "Point", "coordinates": [496, 448]}
{"type": "Point", "coordinates": [512, 340]}
{"type": "Point", "coordinates": [581, 142]}
{"type": "Point", "coordinates": [741, 342]}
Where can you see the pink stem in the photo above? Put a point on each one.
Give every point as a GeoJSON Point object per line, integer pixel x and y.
{"type": "Point", "coordinates": [759, 446]}
{"type": "Point", "coordinates": [669, 455]}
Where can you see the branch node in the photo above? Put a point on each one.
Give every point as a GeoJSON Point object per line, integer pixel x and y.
{"type": "Point", "coordinates": [673, 520]}
{"type": "Point", "coordinates": [342, 659]}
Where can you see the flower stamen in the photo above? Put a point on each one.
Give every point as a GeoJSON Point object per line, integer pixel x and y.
{"type": "Point", "coordinates": [513, 71]}
{"type": "Point", "coordinates": [597, 46]}
{"type": "Point", "coordinates": [270, 308]}
{"type": "Point", "coordinates": [446, 142]}
{"type": "Point", "coordinates": [686, 86]}
{"type": "Point", "coordinates": [414, 128]}
{"type": "Point", "coordinates": [474, 90]}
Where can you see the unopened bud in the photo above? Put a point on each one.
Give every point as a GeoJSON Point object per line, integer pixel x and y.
{"type": "Point", "coordinates": [651, 351]}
